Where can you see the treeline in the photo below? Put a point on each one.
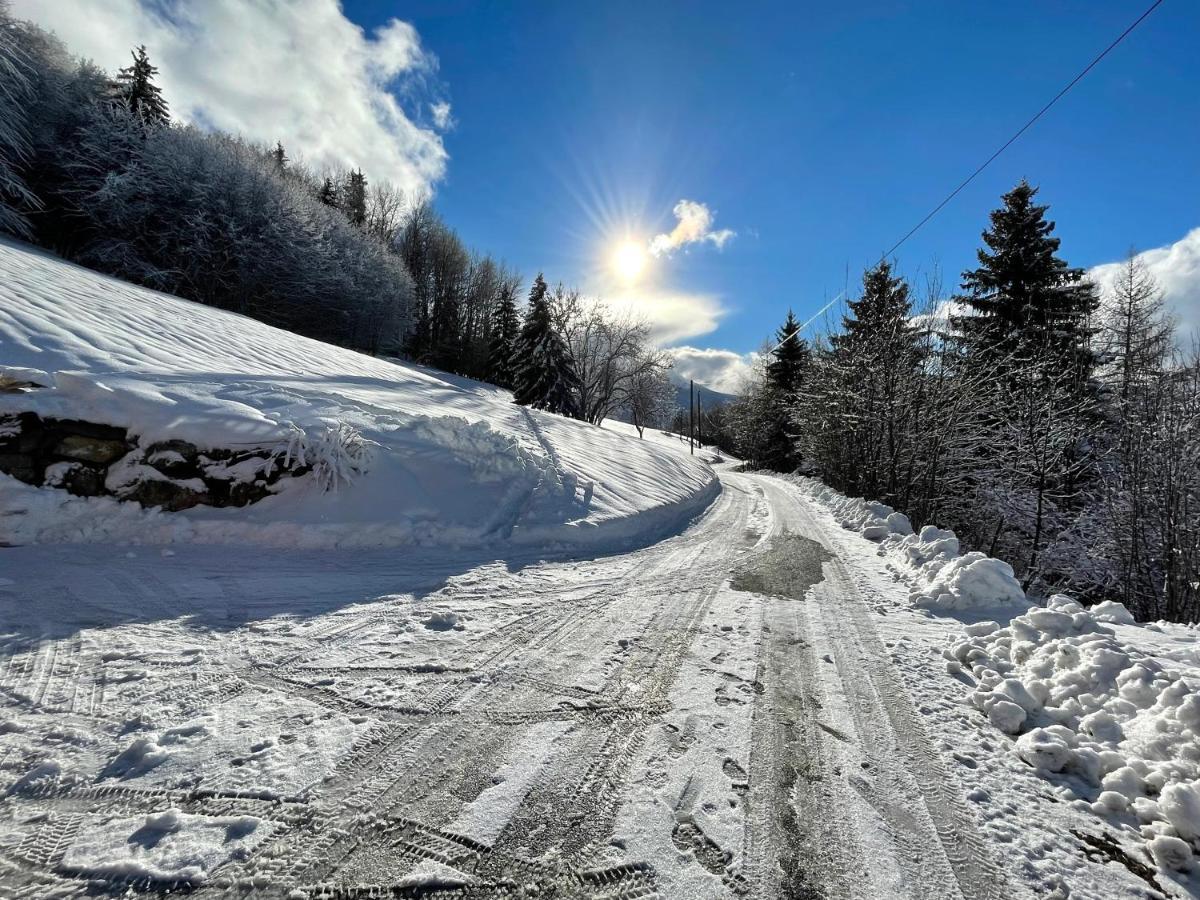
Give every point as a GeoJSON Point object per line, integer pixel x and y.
{"type": "Point", "coordinates": [1046, 424]}
{"type": "Point", "coordinates": [92, 167]}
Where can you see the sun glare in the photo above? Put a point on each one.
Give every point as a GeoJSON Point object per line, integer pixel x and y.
{"type": "Point", "coordinates": [629, 260]}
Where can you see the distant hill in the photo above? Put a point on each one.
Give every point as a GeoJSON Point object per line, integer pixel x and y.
{"type": "Point", "coordinates": [708, 397]}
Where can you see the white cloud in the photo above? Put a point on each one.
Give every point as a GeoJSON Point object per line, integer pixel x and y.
{"type": "Point", "coordinates": [1176, 268]}
{"type": "Point", "coordinates": [297, 71]}
{"type": "Point", "coordinates": [441, 115]}
{"type": "Point", "coordinates": [693, 225]}
{"type": "Point", "coordinates": [672, 316]}
{"type": "Point", "coordinates": [719, 370]}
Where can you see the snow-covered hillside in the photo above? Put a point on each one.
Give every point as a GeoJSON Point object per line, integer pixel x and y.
{"type": "Point", "coordinates": [456, 461]}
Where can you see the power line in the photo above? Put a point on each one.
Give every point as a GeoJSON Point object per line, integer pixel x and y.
{"type": "Point", "coordinates": [954, 193]}
{"type": "Point", "coordinates": [800, 328]}
{"type": "Point", "coordinates": [1074, 81]}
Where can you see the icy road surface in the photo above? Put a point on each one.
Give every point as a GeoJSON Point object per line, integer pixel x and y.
{"type": "Point", "coordinates": [712, 716]}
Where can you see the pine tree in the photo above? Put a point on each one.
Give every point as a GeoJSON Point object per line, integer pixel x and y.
{"type": "Point", "coordinates": [1027, 302]}
{"type": "Point", "coordinates": [137, 90]}
{"type": "Point", "coordinates": [506, 330]}
{"type": "Point", "coordinates": [786, 370]}
{"type": "Point", "coordinates": [279, 157]}
{"type": "Point", "coordinates": [354, 198]}
{"type": "Point", "coordinates": [881, 313]}
{"type": "Point", "coordinates": [544, 378]}
{"type": "Point", "coordinates": [871, 362]}
{"type": "Point", "coordinates": [328, 194]}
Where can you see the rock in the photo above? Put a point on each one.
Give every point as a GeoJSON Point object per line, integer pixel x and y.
{"type": "Point", "coordinates": [91, 449]}
{"type": "Point", "coordinates": [169, 495]}
{"type": "Point", "coordinates": [21, 466]}
{"type": "Point", "coordinates": [87, 429]}
{"type": "Point", "coordinates": [20, 432]}
{"type": "Point", "coordinates": [175, 458]}
{"type": "Point", "coordinates": [76, 478]}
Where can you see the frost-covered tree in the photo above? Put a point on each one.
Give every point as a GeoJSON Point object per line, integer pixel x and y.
{"type": "Point", "coordinates": [16, 95]}
{"type": "Point", "coordinates": [506, 329]}
{"type": "Point", "coordinates": [354, 198]}
{"type": "Point", "coordinates": [544, 377]}
{"type": "Point", "coordinates": [137, 90]}
{"type": "Point", "coordinates": [279, 157]}
{"type": "Point", "coordinates": [328, 193]}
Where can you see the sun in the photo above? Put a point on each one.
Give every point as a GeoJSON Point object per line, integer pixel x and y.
{"type": "Point", "coordinates": [629, 261]}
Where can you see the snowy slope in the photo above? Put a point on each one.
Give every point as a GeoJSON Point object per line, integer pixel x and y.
{"type": "Point", "coordinates": [457, 461]}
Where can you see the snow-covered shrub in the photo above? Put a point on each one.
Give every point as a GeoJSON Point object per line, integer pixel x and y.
{"type": "Point", "coordinates": [337, 454]}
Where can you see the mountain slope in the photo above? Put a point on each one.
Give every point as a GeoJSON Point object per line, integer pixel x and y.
{"type": "Point", "coordinates": [456, 461]}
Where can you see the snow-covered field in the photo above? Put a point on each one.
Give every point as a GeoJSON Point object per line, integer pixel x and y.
{"type": "Point", "coordinates": [525, 657]}
{"type": "Point", "coordinates": [456, 461]}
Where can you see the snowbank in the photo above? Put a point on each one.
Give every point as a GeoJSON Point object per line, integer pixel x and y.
{"type": "Point", "coordinates": [1121, 727]}
{"type": "Point", "coordinates": [1117, 726]}
{"type": "Point", "coordinates": [942, 577]}
{"type": "Point", "coordinates": [452, 461]}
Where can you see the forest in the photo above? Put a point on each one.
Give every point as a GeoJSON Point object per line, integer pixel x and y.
{"type": "Point", "coordinates": [1047, 422]}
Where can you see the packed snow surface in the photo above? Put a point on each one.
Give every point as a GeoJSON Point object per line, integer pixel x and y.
{"type": "Point", "coordinates": [450, 461]}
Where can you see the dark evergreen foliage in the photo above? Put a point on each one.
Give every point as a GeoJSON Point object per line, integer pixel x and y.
{"type": "Point", "coordinates": [792, 357]}
{"type": "Point", "coordinates": [1027, 302]}
{"type": "Point", "coordinates": [544, 378]}
{"type": "Point", "coordinates": [506, 329]}
{"type": "Point", "coordinates": [139, 93]}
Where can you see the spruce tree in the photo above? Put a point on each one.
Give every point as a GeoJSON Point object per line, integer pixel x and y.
{"type": "Point", "coordinates": [137, 90]}
{"type": "Point", "coordinates": [279, 157]}
{"type": "Point", "coordinates": [786, 370]}
{"type": "Point", "coordinates": [543, 375]}
{"type": "Point", "coordinates": [1027, 302]}
{"type": "Point", "coordinates": [328, 193]}
{"type": "Point", "coordinates": [354, 198]}
{"type": "Point", "coordinates": [881, 314]}
{"type": "Point", "coordinates": [506, 329]}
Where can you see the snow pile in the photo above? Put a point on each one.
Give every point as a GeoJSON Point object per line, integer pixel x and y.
{"type": "Point", "coordinates": [1119, 725]}
{"type": "Point", "coordinates": [408, 455]}
{"type": "Point", "coordinates": [168, 846]}
{"type": "Point", "coordinates": [942, 577]}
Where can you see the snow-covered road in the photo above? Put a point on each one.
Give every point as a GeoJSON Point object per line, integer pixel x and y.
{"type": "Point", "coordinates": [714, 715]}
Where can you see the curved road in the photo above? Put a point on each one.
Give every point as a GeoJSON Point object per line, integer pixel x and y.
{"type": "Point", "coordinates": [712, 716]}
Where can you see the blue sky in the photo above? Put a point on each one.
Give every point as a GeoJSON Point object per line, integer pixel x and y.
{"type": "Point", "coordinates": [819, 133]}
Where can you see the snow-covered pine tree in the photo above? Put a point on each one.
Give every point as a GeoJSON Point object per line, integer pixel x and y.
{"type": "Point", "coordinates": [1025, 300]}
{"type": "Point", "coordinates": [279, 157]}
{"type": "Point", "coordinates": [328, 194]}
{"type": "Point", "coordinates": [1031, 327]}
{"type": "Point", "coordinates": [873, 360]}
{"type": "Point", "coordinates": [354, 198]}
{"type": "Point", "coordinates": [543, 375]}
{"type": "Point", "coordinates": [792, 356]}
{"type": "Point", "coordinates": [137, 90]}
{"type": "Point", "coordinates": [784, 373]}
{"type": "Point", "coordinates": [506, 329]}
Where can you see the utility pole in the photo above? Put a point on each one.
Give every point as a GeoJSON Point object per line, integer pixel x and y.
{"type": "Point", "coordinates": [699, 422]}
{"type": "Point", "coordinates": [691, 410]}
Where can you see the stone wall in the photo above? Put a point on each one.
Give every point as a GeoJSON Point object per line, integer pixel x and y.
{"type": "Point", "coordinates": [88, 459]}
